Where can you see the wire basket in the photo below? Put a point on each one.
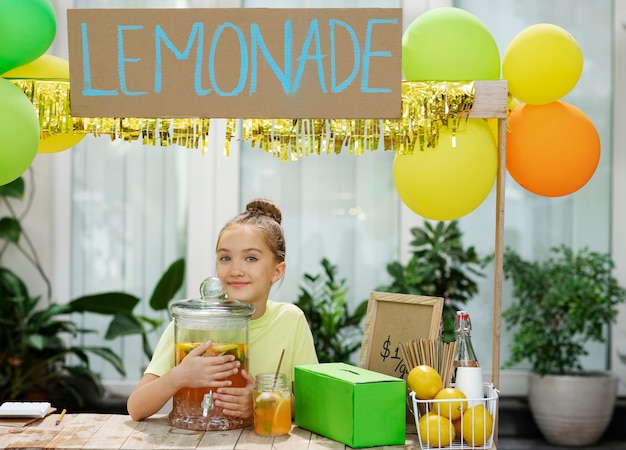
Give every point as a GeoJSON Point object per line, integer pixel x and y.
{"type": "Point", "coordinates": [456, 439]}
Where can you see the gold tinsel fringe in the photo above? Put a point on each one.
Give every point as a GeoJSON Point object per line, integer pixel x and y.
{"type": "Point", "coordinates": [426, 106]}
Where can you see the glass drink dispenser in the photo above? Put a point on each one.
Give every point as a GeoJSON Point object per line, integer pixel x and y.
{"type": "Point", "coordinates": [224, 322]}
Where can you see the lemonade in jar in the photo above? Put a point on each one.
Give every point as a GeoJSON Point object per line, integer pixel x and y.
{"type": "Point", "coordinates": [190, 400]}
{"type": "Point", "coordinates": [225, 323]}
{"type": "Point", "coordinates": [272, 405]}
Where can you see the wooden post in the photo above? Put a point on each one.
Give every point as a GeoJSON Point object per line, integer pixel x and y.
{"type": "Point", "coordinates": [499, 252]}
{"type": "Point", "coordinates": [491, 101]}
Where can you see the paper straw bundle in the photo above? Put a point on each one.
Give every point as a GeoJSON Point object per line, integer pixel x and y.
{"type": "Point", "coordinates": [437, 354]}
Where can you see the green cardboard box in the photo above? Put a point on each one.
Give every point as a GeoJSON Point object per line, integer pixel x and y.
{"type": "Point", "coordinates": [348, 404]}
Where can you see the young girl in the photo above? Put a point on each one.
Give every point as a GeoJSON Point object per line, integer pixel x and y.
{"type": "Point", "coordinates": [250, 259]}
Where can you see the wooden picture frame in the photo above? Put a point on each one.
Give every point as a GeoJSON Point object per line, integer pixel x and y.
{"type": "Point", "coordinates": [394, 318]}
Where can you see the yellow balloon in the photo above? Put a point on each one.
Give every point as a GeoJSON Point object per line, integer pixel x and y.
{"type": "Point", "coordinates": [542, 64]}
{"type": "Point", "coordinates": [59, 142]}
{"type": "Point", "coordinates": [447, 182]}
{"type": "Point", "coordinates": [46, 67]}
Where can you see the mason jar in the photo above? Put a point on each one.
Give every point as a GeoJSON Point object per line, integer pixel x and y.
{"type": "Point", "coordinates": [224, 322]}
{"type": "Point", "coordinates": [272, 404]}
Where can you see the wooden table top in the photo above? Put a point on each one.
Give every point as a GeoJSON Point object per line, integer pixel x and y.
{"type": "Point", "coordinates": [116, 431]}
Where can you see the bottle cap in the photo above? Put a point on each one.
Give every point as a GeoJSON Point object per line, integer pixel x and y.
{"type": "Point", "coordinates": [462, 321]}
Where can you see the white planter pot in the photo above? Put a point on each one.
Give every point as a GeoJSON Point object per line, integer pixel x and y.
{"type": "Point", "coordinates": [572, 410]}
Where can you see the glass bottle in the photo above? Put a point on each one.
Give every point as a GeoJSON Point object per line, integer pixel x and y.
{"type": "Point", "coordinates": [464, 356]}
{"type": "Point", "coordinates": [272, 404]}
{"type": "Point", "coordinates": [224, 322]}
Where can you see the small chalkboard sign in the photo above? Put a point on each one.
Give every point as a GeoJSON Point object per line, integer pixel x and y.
{"type": "Point", "coordinates": [394, 318]}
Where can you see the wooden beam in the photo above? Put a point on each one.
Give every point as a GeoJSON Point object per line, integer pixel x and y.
{"type": "Point", "coordinates": [490, 100]}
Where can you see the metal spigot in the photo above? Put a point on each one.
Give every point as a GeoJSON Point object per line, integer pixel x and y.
{"type": "Point", "coordinates": [207, 403]}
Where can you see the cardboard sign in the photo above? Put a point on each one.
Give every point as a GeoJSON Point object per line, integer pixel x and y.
{"type": "Point", "coordinates": [236, 63]}
{"type": "Point", "coordinates": [394, 318]}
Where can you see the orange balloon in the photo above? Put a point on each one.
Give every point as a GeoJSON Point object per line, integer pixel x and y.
{"type": "Point", "coordinates": [551, 149]}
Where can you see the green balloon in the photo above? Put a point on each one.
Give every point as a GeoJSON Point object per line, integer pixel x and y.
{"type": "Point", "coordinates": [449, 44]}
{"type": "Point", "coordinates": [19, 132]}
{"type": "Point", "coordinates": [27, 29]}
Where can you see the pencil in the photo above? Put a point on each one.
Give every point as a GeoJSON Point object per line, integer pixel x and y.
{"type": "Point", "coordinates": [61, 416]}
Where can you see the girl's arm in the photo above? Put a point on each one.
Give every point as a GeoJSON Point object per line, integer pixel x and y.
{"type": "Point", "coordinates": [150, 395]}
{"type": "Point", "coordinates": [195, 370]}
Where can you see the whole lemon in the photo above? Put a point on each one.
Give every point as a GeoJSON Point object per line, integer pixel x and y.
{"type": "Point", "coordinates": [451, 409]}
{"type": "Point", "coordinates": [477, 425]}
{"type": "Point", "coordinates": [436, 430]}
{"type": "Point", "coordinates": [458, 426]}
{"type": "Point", "coordinates": [425, 381]}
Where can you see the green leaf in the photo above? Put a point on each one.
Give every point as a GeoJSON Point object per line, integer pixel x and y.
{"type": "Point", "coordinates": [107, 303]}
{"type": "Point", "coordinates": [11, 285]}
{"type": "Point", "coordinates": [43, 317]}
{"type": "Point", "coordinates": [169, 284]}
{"type": "Point", "coordinates": [108, 355]}
{"type": "Point", "coordinates": [154, 323]}
{"type": "Point", "coordinates": [10, 229]}
{"type": "Point", "coordinates": [36, 341]}
{"type": "Point", "coordinates": [123, 325]}
{"type": "Point", "coordinates": [13, 189]}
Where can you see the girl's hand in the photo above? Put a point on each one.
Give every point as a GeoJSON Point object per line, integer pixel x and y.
{"type": "Point", "coordinates": [237, 402]}
{"type": "Point", "coordinates": [196, 370]}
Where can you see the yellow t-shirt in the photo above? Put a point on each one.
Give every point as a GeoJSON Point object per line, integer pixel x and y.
{"type": "Point", "coordinates": [282, 326]}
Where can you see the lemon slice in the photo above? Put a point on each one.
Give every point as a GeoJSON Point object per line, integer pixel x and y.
{"type": "Point", "coordinates": [266, 404]}
{"type": "Point", "coordinates": [186, 347]}
{"type": "Point", "coordinates": [222, 349]}
{"type": "Point", "coordinates": [283, 403]}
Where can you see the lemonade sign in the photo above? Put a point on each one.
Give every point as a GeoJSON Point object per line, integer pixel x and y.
{"type": "Point", "coordinates": [239, 63]}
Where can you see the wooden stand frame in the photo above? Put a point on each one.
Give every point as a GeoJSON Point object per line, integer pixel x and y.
{"type": "Point", "coordinates": [491, 101]}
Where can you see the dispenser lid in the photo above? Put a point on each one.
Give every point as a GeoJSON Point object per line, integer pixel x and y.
{"type": "Point", "coordinates": [212, 303]}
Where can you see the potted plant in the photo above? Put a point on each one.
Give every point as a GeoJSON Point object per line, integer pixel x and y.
{"type": "Point", "coordinates": [440, 266]}
{"type": "Point", "coordinates": [336, 331]}
{"type": "Point", "coordinates": [120, 306]}
{"type": "Point", "coordinates": [40, 354]}
{"type": "Point", "coordinates": [37, 335]}
{"type": "Point", "coordinates": [561, 304]}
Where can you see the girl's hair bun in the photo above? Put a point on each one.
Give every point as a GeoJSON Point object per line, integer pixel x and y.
{"type": "Point", "coordinates": [265, 207]}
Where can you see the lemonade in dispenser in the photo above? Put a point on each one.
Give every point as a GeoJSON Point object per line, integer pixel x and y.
{"type": "Point", "coordinates": [224, 322]}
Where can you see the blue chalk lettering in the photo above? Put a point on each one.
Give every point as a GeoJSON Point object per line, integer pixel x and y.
{"type": "Point", "coordinates": [243, 68]}
{"type": "Point", "coordinates": [88, 91]}
{"type": "Point", "coordinates": [257, 42]}
{"type": "Point", "coordinates": [197, 30]}
{"type": "Point", "coordinates": [313, 34]}
{"type": "Point", "coordinates": [121, 60]}
{"type": "Point", "coordinates": [357, 56]}
{"type": "Point", "coordinates": [367, 54]}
